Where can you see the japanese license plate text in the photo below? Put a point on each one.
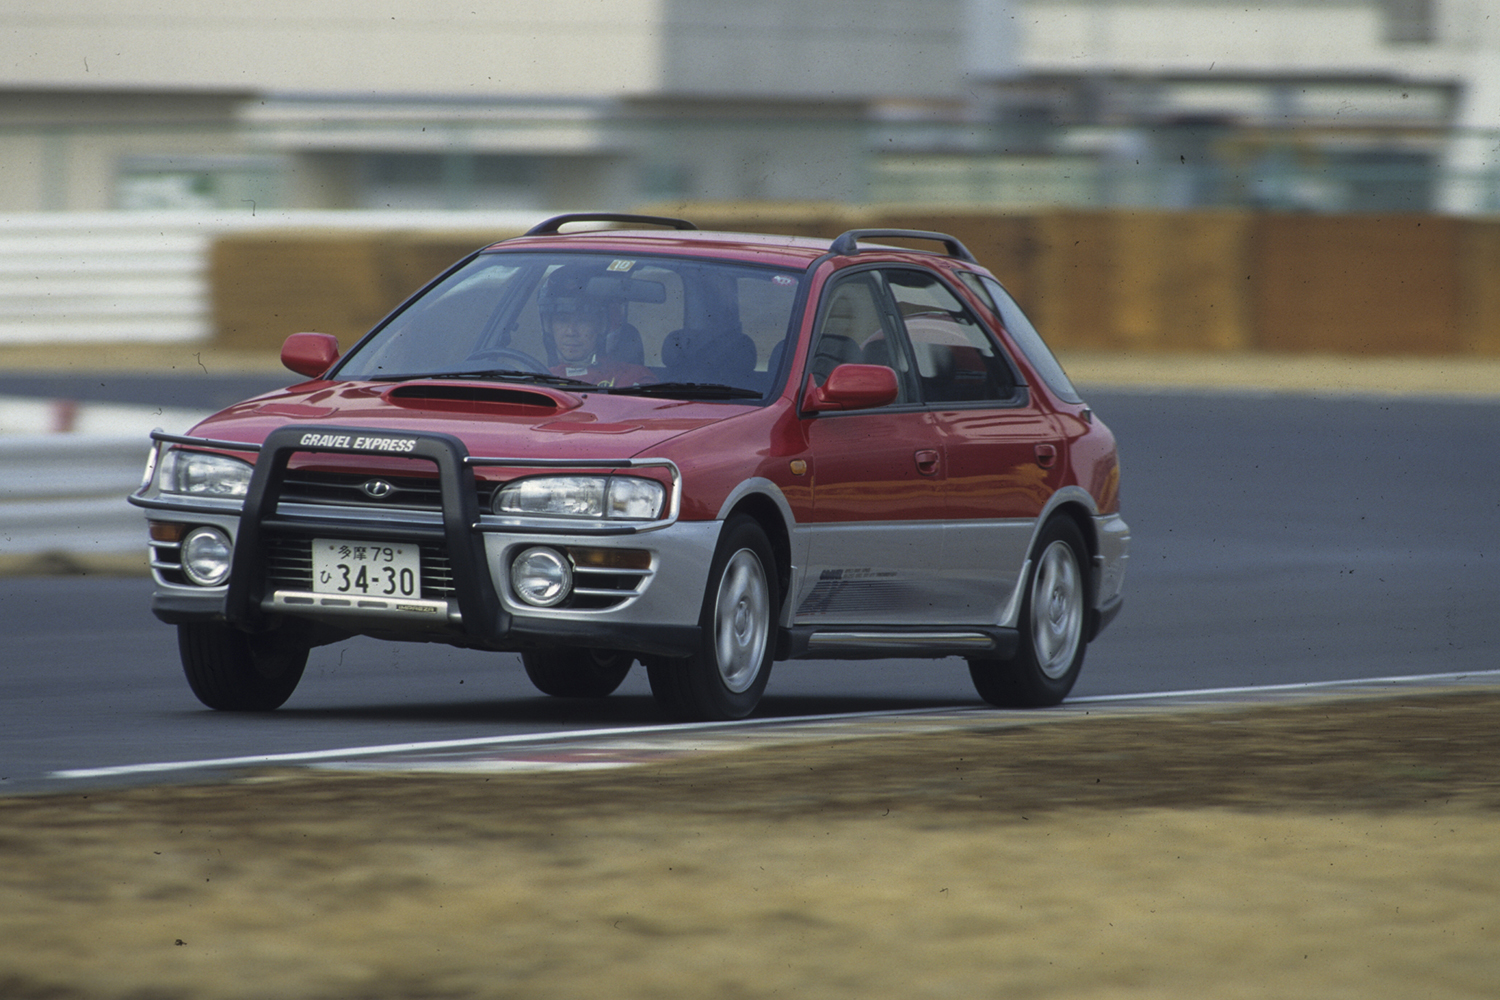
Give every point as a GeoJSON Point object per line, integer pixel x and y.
{"type": "Point", "coordinates": [370, 569]}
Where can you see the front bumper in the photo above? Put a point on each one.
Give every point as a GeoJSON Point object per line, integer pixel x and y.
{"type": "Point", "coordinates": [466, 599]}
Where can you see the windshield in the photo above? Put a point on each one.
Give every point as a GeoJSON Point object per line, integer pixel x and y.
{"type": "Point", "coordinates": [660, 326]}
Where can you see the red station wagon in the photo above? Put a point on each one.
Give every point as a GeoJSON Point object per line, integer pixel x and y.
{"type": "Point", "coordinates": [701, 451]}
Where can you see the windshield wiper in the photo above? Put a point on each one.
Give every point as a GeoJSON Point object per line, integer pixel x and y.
{"type": "Point", "coordinates": [692, 390]}
{"type": "Point", "coordinates": [515, 375]}
{"type": "Point", "coordinates": [504, 374]}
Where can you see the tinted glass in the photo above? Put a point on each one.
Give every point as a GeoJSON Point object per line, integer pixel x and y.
{"type": "Point", "coordinates": [956, 359]}
{"type": "Point", "coordinates": [852, 330]}
{"type": "Point", "coordinates": [647, 320]}
{"type": "Point", "coordinates": [1043, 361]}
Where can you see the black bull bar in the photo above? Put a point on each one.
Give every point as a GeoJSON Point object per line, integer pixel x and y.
{"type": "Point", "coordinates": [483, 616]}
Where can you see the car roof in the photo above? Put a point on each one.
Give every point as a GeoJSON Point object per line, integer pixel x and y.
{"type": "Point", "coordinates": [786, 251]}
{"type": "Point", "coordinates": [682, 237]}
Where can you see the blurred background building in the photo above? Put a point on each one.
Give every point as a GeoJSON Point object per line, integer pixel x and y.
{"type": "Point", "coordinates": [1303, 105]}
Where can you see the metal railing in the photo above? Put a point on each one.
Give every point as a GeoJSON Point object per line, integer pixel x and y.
{"type": "Point", "coordinates": [66, 493]}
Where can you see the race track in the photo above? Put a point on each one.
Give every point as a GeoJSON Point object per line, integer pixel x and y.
{"type": "Point", "coordinates": [1278, 539]}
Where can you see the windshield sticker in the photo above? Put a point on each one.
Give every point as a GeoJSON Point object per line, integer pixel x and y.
{"type": "Point", "coordinates": [621, 265]}
{"type": "Point", "coordinates": [782, 279]}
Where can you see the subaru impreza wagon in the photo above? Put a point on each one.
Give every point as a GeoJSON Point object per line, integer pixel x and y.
{"type": "Point", "coordinates": [700, 452]}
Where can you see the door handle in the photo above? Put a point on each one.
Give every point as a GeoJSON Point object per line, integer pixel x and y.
{"type": "Point", "coordinates": [1046, 455]}
{"type": "Point", "coordinates": [927, 461]}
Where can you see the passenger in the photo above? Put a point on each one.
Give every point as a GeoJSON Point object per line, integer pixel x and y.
{"type": "Point", "coordinates": [579, 314]}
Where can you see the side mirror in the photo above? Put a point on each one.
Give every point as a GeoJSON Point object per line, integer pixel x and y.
{"type": "Point", "coordinates": [310, 354]}
{"type": "Point", "coordinates": [852, 387]}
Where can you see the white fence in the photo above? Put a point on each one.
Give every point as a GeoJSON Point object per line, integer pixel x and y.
{"type": "Point", "coordinates": [61, 492]}
{"type": "Point", "coordinates": [83, 277]}
{"type": "Point", "coordinates": [122, 277]}
{"type": "Point", "coordinates": [71, 278]}
{"type": "Point", "coordinates": [65, 492]}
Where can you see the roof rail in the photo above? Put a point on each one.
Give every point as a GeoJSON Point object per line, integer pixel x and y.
{"type": "Point", "coordinates": [848, 244]}
{"type": "Point", "coordinates": [554, 225]}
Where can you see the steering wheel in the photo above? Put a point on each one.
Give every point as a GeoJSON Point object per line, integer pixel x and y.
{"type": "Point", "coordinates": [512, 359]}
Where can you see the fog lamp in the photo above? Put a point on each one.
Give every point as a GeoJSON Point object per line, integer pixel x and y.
{"type": "Point", "coordinates": [206, 555]}
{"type": "Point", "coordinates": [541, 576]}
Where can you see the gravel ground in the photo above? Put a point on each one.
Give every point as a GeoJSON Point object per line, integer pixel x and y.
{"type": "Point", "coordinates": [1329, 849]}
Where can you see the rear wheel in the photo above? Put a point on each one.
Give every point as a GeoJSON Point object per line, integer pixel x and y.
{"type": "Point", "coordinates": [1053, 612]}
{"type": "Point", "coordinates": [725, 678]}
{"type": "Point", "coordinates": [236, 671]}
{"type": "Point", "coordinates": [577, 673]}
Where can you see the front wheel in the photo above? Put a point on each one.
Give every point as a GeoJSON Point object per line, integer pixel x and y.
{"type": "Point", "coordinates": [725, 678]}
{"type": "Point", "coordinates": [577, 673]}
{"type": "Point", "coordinates": [1053, 612]}
{"type": "Point", "coordinates": [236, 671]}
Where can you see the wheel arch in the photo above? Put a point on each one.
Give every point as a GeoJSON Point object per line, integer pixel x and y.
{"type": "Point", "coordinates": [1082, 516]}
{"type": "Point", "coordinates": [765, 504]}
{"type": "Point", "coordinates": [1078, 507]}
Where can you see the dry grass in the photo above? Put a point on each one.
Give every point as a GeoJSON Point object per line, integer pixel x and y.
{"type": "Point", "coordinates": [1342, 849]}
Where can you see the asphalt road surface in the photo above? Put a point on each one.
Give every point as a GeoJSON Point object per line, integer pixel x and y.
{"type": "Point", "coordinates": [1277, 539]}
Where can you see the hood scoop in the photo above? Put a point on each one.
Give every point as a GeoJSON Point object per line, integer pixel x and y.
{"type": "Point", "coordinates": [472, 397]}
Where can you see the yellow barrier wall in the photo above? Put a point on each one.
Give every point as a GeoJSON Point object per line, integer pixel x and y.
{"type": "Point", "coordinates": [1356, 285]}
{"type": "Point", "coordinates": [268, 285]}
{"type": "Point", "coordinates": [1478, 305]}
{"type": "Point", "coordinates": [1116, 281]}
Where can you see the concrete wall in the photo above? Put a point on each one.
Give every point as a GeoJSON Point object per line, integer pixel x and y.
{"type": "Point", "coordinates": [829, 50]}
{"type": "Point", "coordinates": [519, 47]}
{"type": "Point", "coordinates": [1119, 281]}
{"type": "Point", "coordinates": [71, 150]}
{"type": "Point", "coordinates": [833, 49]}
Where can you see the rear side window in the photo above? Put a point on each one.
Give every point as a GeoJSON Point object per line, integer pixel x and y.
{"type": "Point", "coordinates": [956, 359]}
{"type": "Point", "coordinates": [1043, 361]}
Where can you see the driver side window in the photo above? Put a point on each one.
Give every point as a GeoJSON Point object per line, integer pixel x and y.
{"type": "Point", "coordinates": [853, 330]}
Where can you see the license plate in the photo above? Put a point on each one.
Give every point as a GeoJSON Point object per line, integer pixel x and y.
{"type": "Point", "coordinates": [368, 569]}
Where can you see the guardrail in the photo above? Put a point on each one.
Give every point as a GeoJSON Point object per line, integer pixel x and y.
{"type": "Point", "coordinates": [144, 277]}
{"type": "Point", "coordinates": [60, 492]}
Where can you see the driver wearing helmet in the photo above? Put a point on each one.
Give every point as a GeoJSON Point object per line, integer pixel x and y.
{"type": "Point", "coordinates": [579, 311]}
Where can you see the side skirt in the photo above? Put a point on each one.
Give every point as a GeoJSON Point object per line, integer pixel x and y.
{"type": "Point", "coordinates": [810, 642]}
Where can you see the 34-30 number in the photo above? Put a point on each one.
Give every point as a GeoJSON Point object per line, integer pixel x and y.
{"type": "Point", "coordinates": [402, 581]}
{"type": "Point", "coordinates": [348, 567]}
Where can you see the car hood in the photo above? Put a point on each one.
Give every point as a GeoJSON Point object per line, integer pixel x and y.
{"type": "Point", "coordinates": [493, 419]}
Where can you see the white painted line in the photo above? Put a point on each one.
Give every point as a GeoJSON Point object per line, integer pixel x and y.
{"type": "Point", "coordinates": [1303, 686]}
{"type": "Point", "coordinates": [667, 729]}
{"type": "Point", "coordinates": [259, 760]}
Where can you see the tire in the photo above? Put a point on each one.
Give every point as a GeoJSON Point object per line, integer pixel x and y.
{"type": "Point", "coordinates": [577, 673]}
{"type": "Point", "coordinates": [725, 678]}
{"type": "Point", "coordinates": [235, 671]}
{"type": "Point", "coordinates": [1054, 610]}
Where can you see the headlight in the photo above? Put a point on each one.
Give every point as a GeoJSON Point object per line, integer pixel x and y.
{"type": "Point", "coordinates": [199, 473]}
{"type": "Point", "coordinates": [624, 497]}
